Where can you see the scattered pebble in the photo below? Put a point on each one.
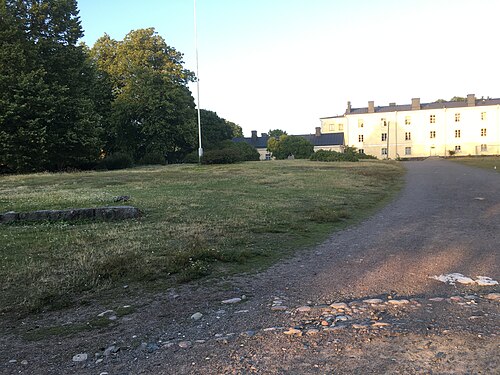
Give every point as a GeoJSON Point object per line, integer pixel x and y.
{"type": "Point", "coordinates": [185, 344]}
{"type": "Point", "coordinates": [373, 301]}
{"type": "Point", "coordinates": [231, 301]}
{"type": "Point", "coordinates": [293, 331]}
{"type": "Point", "coordinates": [304, 309]}
{"type": "Point", "coordinates": [107, 312]}
{"type": "Point", "coordinates": [24, 362]}
{"type": "Point", "coordinates": [398, 302]}
{"type": "Point", "coordinates": [279, 308]}
{"type": "Point", "coordinates": [339, 305]}
{"type": "Point", "coordinates": [197, 316]}
{"type": "Point", "coordinates": [80, 357]}
{"type": "Point", "coordinates": [493, 296]}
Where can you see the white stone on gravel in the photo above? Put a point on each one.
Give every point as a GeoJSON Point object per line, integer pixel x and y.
{"type": "Point", "coordinates": [24, 362]}
{"type": "Point", "coordinates": [398, 301]}
{"type": "Point", "coordinates": [80, 357]}
{"type": "Point", "coordinates": [380, 324]}
{"type": "Point", "coordinates": [197, 316]}
{"type": "Point", "coordinates": [373, 301]}
{"type": "Point", "coordinates": [453, 278]}
{"type": "Point", "coordinates": [485, 281]}
{"type": "Point", "coordinates": [241, 311]}
{"type": "Point", "coordinates": [231, 301]}
{"type": "Point", "coordinates": [493, 296]}
{"type": "Point", "coordinates": [339, 305]}
{"type": "Point", "coordinates": [304, 309]}
{"type": "Point", "coordinates": [185, 344]}
{"type": "Point", "coordinates": [279, 308]}
{"type": "Point", "coordinates": [436, 299]}
{"type": "Point", "coordinates": [13, 361]}
{"type": "Point", "coordinates": [107, 312]}
{"type": "Point", "coordinates": [293, 331]}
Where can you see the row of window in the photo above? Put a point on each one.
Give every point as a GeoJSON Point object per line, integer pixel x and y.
{"type": "Point", "coordinates": [432, 119]}
{"type": "Point", "coordinates": [432, 134]}
{"type": "Point", "coordinates": [458, 148]}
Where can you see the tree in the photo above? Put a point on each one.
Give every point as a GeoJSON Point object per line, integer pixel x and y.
{"type": "Point", "coordinates": [49, 119]}
{"type": "Point", "coordinates": [237, 130]}
{"type": "Point", "coordinates": [214, 129]}
{"type": "Point", "coordinates": [153, 110]}
{"type": "Point", "coordinates": [276, 133]}
{"type": "Point", "coordinates": [287, 145]}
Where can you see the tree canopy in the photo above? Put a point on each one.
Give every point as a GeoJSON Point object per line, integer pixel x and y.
{"type": "Point", "coordinates": [276, 133]}
{"type": "Point", "coordinates": [288, 145]}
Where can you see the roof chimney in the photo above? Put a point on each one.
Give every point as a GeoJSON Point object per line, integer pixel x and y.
{"type": "Point", "coordinates": [371, 106]}
{"type": "Point", "coordinates": [348, 110]}
{"type": "Point", "coordinates": [471, 100]}
{"type": "Point", "coordinates": [392, 104]}
{"type": "Point", "coordinates": [318, 131]}
{"type": "Point", "coordinates": [415, 104]}
{"type": "Point", "coordinates": [254, 135]}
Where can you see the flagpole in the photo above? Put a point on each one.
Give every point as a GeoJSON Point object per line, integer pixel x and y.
{"type": "Point", "coordinates": [200, 149]}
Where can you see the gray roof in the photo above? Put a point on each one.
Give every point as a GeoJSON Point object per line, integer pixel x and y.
{"type": "Point", "coordinates": [329, 139]}
{"type": "Point", "coordinates": [423, 106]}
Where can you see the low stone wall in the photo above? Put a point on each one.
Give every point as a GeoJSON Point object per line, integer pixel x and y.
{"type": "Point", "coordinates": [99, 213]}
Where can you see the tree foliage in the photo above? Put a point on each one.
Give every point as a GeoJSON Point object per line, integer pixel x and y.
{"type": "Point", "coordinates": [276, 133]}
{"type": "Point", "coordinates": [48, 116]}
{"type": "Point", "coordinates": [153, 109]}
{"type": "Point", "coordinates": [288, 145]}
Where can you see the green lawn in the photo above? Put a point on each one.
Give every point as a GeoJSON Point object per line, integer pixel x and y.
{"type": "Point", "coordinates": [485, 162]}
{"type": "Point", "coordinates": [198, 220]}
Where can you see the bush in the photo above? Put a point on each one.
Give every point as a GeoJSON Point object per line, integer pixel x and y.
{"type": "Point", "coordinates": [152, 158]}
{"type": "Point", "coordinates": [324, 155]}
{"type": "Point", "coordinates": [115, 161]}
{"type": "Point", "coordinates": [223, 156]}
{"type": "Point", "coordinates": [246, 151]}
{"type": "Point", "coordinates": [191, 158]}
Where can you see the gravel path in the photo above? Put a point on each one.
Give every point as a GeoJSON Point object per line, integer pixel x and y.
{"type": "Point", "coordinates": [390, 316]}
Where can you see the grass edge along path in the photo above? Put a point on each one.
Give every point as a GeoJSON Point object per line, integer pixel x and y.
{"type": "Point", "coordinates": [199, 220]}
{"type": "Point", "coordinates": [491, 163]}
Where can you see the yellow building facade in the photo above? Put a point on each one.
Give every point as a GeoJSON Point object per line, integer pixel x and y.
{"type": "Point", "coordinates": [466, 127]}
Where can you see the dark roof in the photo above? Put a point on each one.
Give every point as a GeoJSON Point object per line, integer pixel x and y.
{"type": "Point", "coordinates": [329, 139]}
{"type": "Point", "coordinates": [423, 106]}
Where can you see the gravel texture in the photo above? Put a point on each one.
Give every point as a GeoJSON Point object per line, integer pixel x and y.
{"type": "Point", "coordinates": [365, 301]}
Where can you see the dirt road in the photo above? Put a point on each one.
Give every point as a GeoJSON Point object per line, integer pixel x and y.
{"type": "Point", "coordinates": [363, 302]}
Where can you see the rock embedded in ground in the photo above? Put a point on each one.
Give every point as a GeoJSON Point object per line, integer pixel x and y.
{"type": "Point", "coordinates": [279, 308]}
{"type": "Point", "coordinates": [293, 331]}
{"type": "Point", "coordinates": [339, 305]}
{"type": "Point", "coordinates": [493, 296]}
{"type": "Point", "coordinates": [231, 301]}
{"type": "Point", "coordinates": [304, 309]}
{"type": "Point", "coordinates": [197, 316]}
{"type": "Point", "coordinates": [373, 301]}
{"type": "Point", "coordinates": [81, 357]}
{"type": "Point", "coordinates": [398, 302]}
{"type": "Point", "coordinates": [185, 344]}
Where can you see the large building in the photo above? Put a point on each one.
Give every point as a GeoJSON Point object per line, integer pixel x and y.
{"type": "Point", "coordinates": [467, 127]}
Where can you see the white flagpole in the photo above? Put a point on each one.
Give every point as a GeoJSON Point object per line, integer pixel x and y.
{"type": "Point", "coordinates": [200, 149]}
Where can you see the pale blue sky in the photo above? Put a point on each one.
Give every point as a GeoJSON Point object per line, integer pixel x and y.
{"type": "Point", "coordinates": [285, 63]}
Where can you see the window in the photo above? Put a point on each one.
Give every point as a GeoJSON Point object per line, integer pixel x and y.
{"type": "Point", "coordinates": [361, 151]}
{"type": "Point", "coordinates": [383, 121]}
{"type": "Point", "coordinates": [332, 127]}
{"type": "Point", "coordinates": [361, 138]}
{"type": "Point", "coordinates": [341, 127]}
{"type": "Point", "coordinates": [407, 150]}
{"type": "Point", "coordinates": [407, 136]}
{"type": "Point", "coordinates": [458, 148]}
{"type": "Point", "coordinates": [268, 156]}
{"type": "Point", "coordinates": [484, 148]}
{"type": "Point", "coordinates": [360, 123]}
{"type": "Point", "coordinates": [384, 151]}
{"type": "Point", "coordinates": [432, 119]}
{"type": "Point", "coordinates": [432, 134]}
{"type": "Point", "coordinates": [457, 117]}
{"type": "Point", "coordinates": [457, 133]}
{"type": "Point", "coordinates": [384, 137]}
{"type": "Point", "coordinates": [407, 120]}
{"type": "Point", "coordinates": [483, 116]}
{"type": "Point", "coordinates": [483, 132]}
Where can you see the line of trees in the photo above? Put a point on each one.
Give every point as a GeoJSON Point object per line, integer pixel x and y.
{"type": "Point", "coordinates": [65, 105]}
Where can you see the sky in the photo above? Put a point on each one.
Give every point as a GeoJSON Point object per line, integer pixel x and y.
{"type": "Point", "coordinates": [284, 64]}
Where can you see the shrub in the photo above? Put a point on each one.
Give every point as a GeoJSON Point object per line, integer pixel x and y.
{"type": "Point", "coordinates": [288, 145]}
{"type": "Point", "coordinates": [223, 156]}
{"type": "Point", "coordinates": [246, 151]}
{"type": "Point", "coordinates": [191, 158]}
{"type": "Point", "coordinates": [324, 155]}
{"type": "Point", "coordinates": [115, 161]}
{"type": "Point", "coordinates": [153, 158]}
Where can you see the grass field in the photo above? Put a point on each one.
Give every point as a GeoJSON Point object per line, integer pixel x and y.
{"type": "Point", "coordinates": [197, 220]}
{"type": "Point", "coordinates": [485, 162]}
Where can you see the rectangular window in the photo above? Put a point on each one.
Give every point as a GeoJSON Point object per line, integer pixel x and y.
{"type": "Point", "coordinates": [361, 151]}
{"type": "Point", "coordinates": [483, 132]}
{"type": "Point", "coordinates": [458, 148]}
{"type": "Point", "coordinates": [407, 120]}
{"type": "Point", "coordinates": [332, 127]}
{"type": "Point", "coordinates": [341, 127]}
{"type": "Point", "coordinates": [483, 116]}
{"type": "Point", "coordinates": [384, 137]}
{"type": "Point", "coordinates": [484, 148]}
{"type": "Point", "coordinates": [384, 151]}
{"type": "Point", "coordinates": [360, 123]}
{"type": "Point", "coordinates": [383, 121]}
{"type": "Point", "coordinates": [432, 119]}
{"type": "Point", "coordinates": [361, 138]}
{"type": "Point", "coordinates": [407, 150]}
{"type": "Point", "coordinates": [432, 134]}
{"type": "Point", "coordinates": [407, 136]}
{"type": "Point", "coordinates": [457, 133]}
{"type": "Point", "coordinates": [457, 117]}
